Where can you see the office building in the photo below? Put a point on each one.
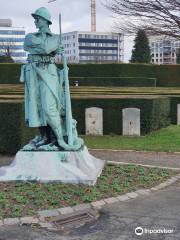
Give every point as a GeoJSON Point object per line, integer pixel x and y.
{"type": "Point", "coordinates": [163, 49]}
{"type": "Point", "coordinates": [12, 40]}
{"type": "Point", "coordinates": [93, 47]}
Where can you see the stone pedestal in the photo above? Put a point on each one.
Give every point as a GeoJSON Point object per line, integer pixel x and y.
{"type": "Point", "coordinates": [67, 167]}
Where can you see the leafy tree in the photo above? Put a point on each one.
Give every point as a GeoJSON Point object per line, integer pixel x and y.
{"type": "Point", "coordinates": [141, 51]}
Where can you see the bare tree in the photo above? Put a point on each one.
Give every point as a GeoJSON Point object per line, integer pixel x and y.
{"type": "Point", "coordinates": [158, 17]}
{"type": "Point", "coordinates": [6, 48]}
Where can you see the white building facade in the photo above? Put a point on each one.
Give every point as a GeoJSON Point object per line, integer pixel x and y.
{"type": "Point", "coordinates": [93, 47]}
{"type": "Point", "coordinates": [163, 49]}
{"type": "Point", "coordinates": [12, 40]}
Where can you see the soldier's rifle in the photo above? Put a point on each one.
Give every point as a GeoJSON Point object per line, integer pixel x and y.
{"type": "Point", "coordinates": [68, 111]}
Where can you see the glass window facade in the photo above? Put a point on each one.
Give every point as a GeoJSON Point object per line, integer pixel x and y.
{"type": "Point", "coordinates": [98, 48]}
{"type": "Point", "coordinates": [163, 51]}
{"type": "Point", "coordinates": [12, 32]}
{"type": "Point", "coordinates": [13, 39]}
{"type": "Point", "coordinates": [93, 47]}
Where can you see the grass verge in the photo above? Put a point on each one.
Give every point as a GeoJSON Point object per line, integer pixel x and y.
{"type": "Point", "coordinates": [165, 139]}
{"type": "Point", "coordinates": [21, 199]}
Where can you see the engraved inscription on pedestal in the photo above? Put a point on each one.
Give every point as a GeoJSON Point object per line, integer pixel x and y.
{"type": "Point", "coordinates": [131, 121]}
{"type": "Point", "coordinates": [178, 114]}
{"type": "Point", "coordinates": [94, 121]}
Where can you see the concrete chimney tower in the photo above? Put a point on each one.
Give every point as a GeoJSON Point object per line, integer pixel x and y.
{"type": "Point", "coordinates": [93, 15]}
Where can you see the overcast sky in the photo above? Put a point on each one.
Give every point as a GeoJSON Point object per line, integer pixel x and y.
{"type": "Point", "coordinates": [75, 16]}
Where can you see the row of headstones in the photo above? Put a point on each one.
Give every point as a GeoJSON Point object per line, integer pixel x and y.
{"type": "Point", "coordinates": [130, 121]}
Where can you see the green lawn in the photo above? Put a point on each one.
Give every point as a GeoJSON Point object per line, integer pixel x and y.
{"type": "Point", "coordinates": [166, 139]}
{"type": "Point", "coordinates": [26, 198]}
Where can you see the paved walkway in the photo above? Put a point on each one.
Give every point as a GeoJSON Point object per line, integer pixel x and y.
{"type": "Point", "coordinates": [163, 159]}
{"type": "Point", "coordinates": [158, 211]}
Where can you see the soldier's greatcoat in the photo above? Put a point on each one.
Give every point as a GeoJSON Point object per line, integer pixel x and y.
{"type": "Point", "coordinates": [43, 81]}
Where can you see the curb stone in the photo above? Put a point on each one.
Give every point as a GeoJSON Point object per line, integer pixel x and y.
{"type": "Point", "coordinates": [42, 215]}
{"type": "Point", "coordinates": [11, 221]}
{"type": "Point", "coordinates": [132, 195]}
{"type": "Point", "coordinates": [123, 198]}
{"type": "Point", "coordinates": [29, 220]}
{"type": "Point", "coordinates": [110, 200]}
{"type": "Point", "coordinates": [98, 204]}
{"type": "Point", "coordinates": [82, 206]}
{"type": "Point", "coordinates": [143, 191]}
{"type": "Point", "coordinates": [65, 210]}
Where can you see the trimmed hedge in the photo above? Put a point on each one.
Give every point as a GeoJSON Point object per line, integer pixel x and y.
{"type": "Point", "coordinates": [10, 73]}
{"type": "Point", "coordinates": [166, 75]}
{"type": "Point", "coordinates": [111, 70]}
{"type": "Point", "coordinates": [154, 115]}
{"type": "Point", "coordinates": [13, 132]}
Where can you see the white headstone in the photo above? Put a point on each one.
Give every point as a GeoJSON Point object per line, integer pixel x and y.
{"type": "Point", "coordinates": [94, 121]}
{"type": "Point", "coordinates": [131, 122]}
{"type": "Point", "coordinates": [178, 114]}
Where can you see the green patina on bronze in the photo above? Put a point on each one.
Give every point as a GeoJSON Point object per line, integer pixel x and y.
{"type": "Point", "coordinates": [47, 97]}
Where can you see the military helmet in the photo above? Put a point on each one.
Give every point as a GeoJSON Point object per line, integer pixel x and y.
{"type": "Point", "coordinates": [44, 13]}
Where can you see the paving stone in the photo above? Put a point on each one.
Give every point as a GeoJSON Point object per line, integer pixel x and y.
{"type": "Point", "coordinates": [48, 213]}
{"type": "Point", "coordinates": [162, 185]}
{"type": "Point", "coordinates": [110, 200]}
{"type": "Point", "coordinates": [42, 219]}
{"type": "Point", "coordinates": [98, 204]}
{"type": "Point", "coordinates": [29, 220]}
{"type": "Point", "coordinates": [46, 225]}
{"type": "Point", "coordinates": [143, 191]}
{"type": "Point", "coordinates": [132, 194]}
{"type": "Point", "coordinates": [170, 181]}
{"type": "Point", "coordinates": [127, 220]}
{"type": "Point", "coordinates": [166, 223]}
{"type": "Point", "coordinates": [153, 189]}
{"type": "Point", "coordinates": [11, 221]}
{"type": "Point", "coordinates": [82, 206]}
{"type": "Point", "coordinates": [66, 210]}
{"type": "Point", "coordinates": [123, 237]}
{"type": "Point", "coordinates": [174, 179]}
{"type": "Point", "coordinates": [145, 221]}
{"type": "Point", "coordinates": [123, 198]}
{"type": "Point", "coordinates": [172, 237]}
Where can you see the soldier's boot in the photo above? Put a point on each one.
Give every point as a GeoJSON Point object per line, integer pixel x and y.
{"type": "Point", "coordinates": [44, 136]}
